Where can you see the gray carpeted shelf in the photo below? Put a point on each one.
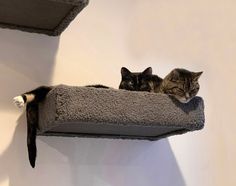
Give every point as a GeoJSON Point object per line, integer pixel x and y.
{"type": "Point", "coordinates": [110, 113]}
{"type": "Point", "coordinates": [49, 17]}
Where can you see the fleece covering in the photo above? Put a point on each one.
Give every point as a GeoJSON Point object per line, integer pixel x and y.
{"type": "Point", "coordinates": [110, 113]}
{"type": "Point", "coordinates": [50, 17]}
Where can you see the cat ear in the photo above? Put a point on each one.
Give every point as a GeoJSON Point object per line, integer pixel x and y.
{"type": "Point", "coordinates": [124, 72]}
{"type": "Point", "coordinates": [174, 75]}
{"type": "Point", "coordinates": [147, 71]}
{"type": "Point", "coordinates": [196, 75]}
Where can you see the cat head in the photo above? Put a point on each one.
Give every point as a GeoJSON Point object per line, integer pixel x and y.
{"type": "Point", "coordinates": [136, 81]}
{"type": "Point", "coordinates": [181, 84]}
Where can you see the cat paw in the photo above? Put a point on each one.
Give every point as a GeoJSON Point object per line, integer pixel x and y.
{"type": "Point", "coordinates": [19, 101]}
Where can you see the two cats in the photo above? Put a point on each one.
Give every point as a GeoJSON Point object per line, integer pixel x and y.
{"type": "Point", "coordinates": [179, 83]}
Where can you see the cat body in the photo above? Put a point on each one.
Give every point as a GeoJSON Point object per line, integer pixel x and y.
{"type": "Point", "coordinates": [31, 99]}
{"type": "Point", "coordinates": [180, 84]}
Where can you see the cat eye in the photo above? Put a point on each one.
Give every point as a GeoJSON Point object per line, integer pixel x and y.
{"type": "Point", "coordinates": [179, 89]}
{"type": "Point", "coordinates": [174, 80]}
{"type": "Point", "coordinates": [130, 83]}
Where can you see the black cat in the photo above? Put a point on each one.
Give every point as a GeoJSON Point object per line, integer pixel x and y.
{"type": "Point", "coordinates": [140, 81]}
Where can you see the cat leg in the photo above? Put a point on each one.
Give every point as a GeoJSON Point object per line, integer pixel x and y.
{"type": "Point", "coordinates": [19, 101]}
{"type": "Point", "coordinates": [36, 95]}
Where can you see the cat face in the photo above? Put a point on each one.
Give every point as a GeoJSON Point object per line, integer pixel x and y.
{"type": "Point", "coordinates": [181, 84]}
{"type": "Point", "coordinates": [133, 81]}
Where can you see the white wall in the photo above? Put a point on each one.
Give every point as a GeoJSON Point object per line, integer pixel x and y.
{"type": "Point", "coordinates": [197, 35]}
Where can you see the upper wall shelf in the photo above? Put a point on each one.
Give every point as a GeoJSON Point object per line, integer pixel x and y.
{"type": "Point", "coordinates": [50, 17]}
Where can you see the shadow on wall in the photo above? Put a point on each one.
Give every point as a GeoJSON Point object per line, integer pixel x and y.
{"type": "Point", "coordinates": [78, 161]}
{"type": "Point", "coordinates": [119, 162]}
{"type": "Point", "coordinates": [26, 61]}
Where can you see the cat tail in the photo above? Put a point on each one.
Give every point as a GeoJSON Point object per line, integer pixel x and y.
{"type": "Point", "coordinates": [32, 125]}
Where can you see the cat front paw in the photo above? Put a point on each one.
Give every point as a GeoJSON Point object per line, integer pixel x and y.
{"type": "Point", "coordinates": [19, 101]}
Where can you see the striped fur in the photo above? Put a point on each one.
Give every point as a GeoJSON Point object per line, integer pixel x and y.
{"type": "Point", "coordinates": [181, 84]}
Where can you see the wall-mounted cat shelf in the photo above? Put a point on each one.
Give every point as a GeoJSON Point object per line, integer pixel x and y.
{"type": "Point", "coordinates": [110, 113]}
{"type": "Point", "coordinates": [49, 17]}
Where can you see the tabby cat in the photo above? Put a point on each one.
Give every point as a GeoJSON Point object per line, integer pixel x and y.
{"type": "Point", "coordinates": [31, 100]}
{"type": "Point", "coordinates": [179, 83]}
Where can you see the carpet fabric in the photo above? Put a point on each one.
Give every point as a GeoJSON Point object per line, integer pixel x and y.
{"type": "Point", "coordinates": [110, 113]}
{"type": "Point", "coordinates": [50, 17]}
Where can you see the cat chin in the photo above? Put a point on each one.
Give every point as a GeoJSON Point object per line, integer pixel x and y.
{"type": "Point", "coordinates": [184, 100]}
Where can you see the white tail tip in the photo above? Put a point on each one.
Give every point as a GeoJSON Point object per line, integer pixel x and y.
{"type": "Point", "coordinates": [19, 101]}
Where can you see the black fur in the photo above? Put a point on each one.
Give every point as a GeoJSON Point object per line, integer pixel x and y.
{"type": "Point", "coordinates": [32, 120]}
{"type": "Point", "coordinates": [32, 117]}
{"type": "Point", "coordinates": [32, 125]}
{"type": "Point", "coordinates": [139, 81]}
{"type": "Point", "coordinates": [97, 86]}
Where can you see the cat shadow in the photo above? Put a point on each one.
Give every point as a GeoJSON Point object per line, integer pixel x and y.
{"type": "Point", "coordinates": [12, 160]}
{"type": "Point", "coordinates": [15, 166]}
{"type": "Point", "coordinates": [26, 61]}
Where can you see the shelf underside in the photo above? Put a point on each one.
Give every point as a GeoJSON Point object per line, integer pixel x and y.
{"type": "Point", "coordinates": [49, 17]}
